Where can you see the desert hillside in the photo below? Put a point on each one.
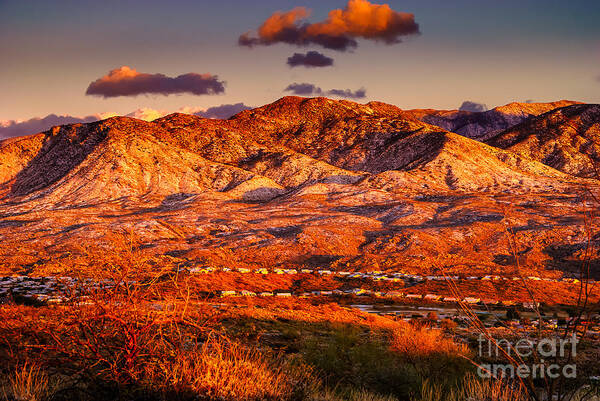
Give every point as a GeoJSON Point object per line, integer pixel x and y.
{"type": "Point", "coordinates": [483, 125]}
{"type": "Point", "coordinates": [304, 182]}
{"type": "Point", "coordinates": [567, 139]}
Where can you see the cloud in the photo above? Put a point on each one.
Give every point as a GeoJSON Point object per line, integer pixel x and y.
{"type": "Point", "coordinates": [126, 81]}
{"type": "Point", "coordinates": [347, 93]}
{"type": "Point", "coordinates": [359, 19]}
{"type": "Point", "coordinates": [310, 59]}
{"type": "Point", "coordinates": [303, 89]}
{"type": "Point", "coordinates": [12, 128]}
{"type": "Point", "coordinates": [306, 89]}
{"type": "Point", "coordinates": [34, 125]}
{"type": "Point", "coordinates": [472, 106]}
{"type": "Point", "coordinates": [223, 111]}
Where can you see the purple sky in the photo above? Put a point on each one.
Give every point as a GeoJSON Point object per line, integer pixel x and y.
{"type": "Point", "coordinates": [482, 51]}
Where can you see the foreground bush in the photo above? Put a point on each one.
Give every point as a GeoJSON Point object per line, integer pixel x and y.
{"type": "Point", "coordinates": [225, 370]}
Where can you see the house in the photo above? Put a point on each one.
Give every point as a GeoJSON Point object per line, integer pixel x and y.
{"type": "Point", "coordinates": [243, 270]}
{"type": "Point", "coordinates": [199, 270]}
{"type": "Point", "coordinates": [414, 296]}
{"type": "Point", "coordinates": [450, 299]}
{"type": "Point", "coordinates": [227, 293]}
{"type": "Point", "coordinates": [261, 271]}
{"type": "Point", "coordinates": [278, 271]}
{"type": "Point", "coordinates": [246, 293]}
{"type": "Point", "coordinates": [508, 303]}
{"type": "Point", "coordinates": [533, 278]}
{"type": "Point", "coordinates": [284, 294]}
{"type": "Point", "coordinates": [470, 300]}
{"type": "Point", "coordinates": [359, 291]}
{"type": "Point", "coordinates": [265, 294]}
{"type": "Point", "coordinates": [531, 305]}
{"type": "Point", "coordinates": [343, 273]}
{"type": "Point", "coordinates": [394, 294]}
{"type": "Point", "coordinates": [432, 297]}
{"type": "Point", "coordinates": [326, 293]}
{"type": "Point", "coordinates": [291, 271]}
{"type": "Point", "coordinates": [324, 272]}
{"type": "Point", "coordinates": [306, 271]}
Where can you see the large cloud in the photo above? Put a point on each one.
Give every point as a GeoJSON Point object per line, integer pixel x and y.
{"type": "Point", "coordinates": [126, 81]}
{"type": "Point", "coordinates": [472, 106]}
{"type": "Point", "coordinates": [360, 19]}
{"type": "Point", "coordinates": [306, 89]}
{"type": "Point", "coordinates": [310, 59]}
{"type": "Point", "coordinates": [14, 128]}
{"type": "Point", "coordinates": [18, 128]}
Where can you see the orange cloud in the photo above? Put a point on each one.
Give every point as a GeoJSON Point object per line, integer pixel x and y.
{"type": "Point", "coordinates": [126, 81]}
{"type": "Point", "coordinates": [360, 19]}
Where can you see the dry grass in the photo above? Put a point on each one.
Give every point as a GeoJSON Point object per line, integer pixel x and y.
{"type": "Point", "coordinates": [472, 389]}
{"type": "Point", "coordinates": [421, 342]}
{"type": "Point", "coordinates": [226, 370]}
{"type": "Point", "coordinates": [27, 383]}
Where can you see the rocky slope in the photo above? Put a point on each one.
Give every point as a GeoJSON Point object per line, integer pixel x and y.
{"type": "Point", "coordinates": [483, 125]}
{"type": "Point", "coordinates": [567, 139]}
{"type": "Point", "coordinates": [382, 140]}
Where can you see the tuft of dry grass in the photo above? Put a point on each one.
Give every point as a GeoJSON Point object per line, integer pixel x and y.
{"type": "Point", "coordinates": [420, 342]}
{"type": "Point", "coordinates": [27, 383]}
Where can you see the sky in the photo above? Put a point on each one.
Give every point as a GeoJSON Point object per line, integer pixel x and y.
{"type": "Point", "coordinates": [173, 55]}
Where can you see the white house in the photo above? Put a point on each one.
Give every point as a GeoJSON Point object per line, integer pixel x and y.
{"type": "Point", "coordinates": [470, 300]}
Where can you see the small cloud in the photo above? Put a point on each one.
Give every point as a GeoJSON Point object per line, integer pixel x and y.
{"type": "Point", "coordinates": [306, 89]}
{"type": "Point", "coordinates": [359, 19]}
{"type": "Point", "coordinates": [310, 59]}
{"type": "Point", "coordinates": [147, 114]}
{"type": "Point", "coordinates": [529, 101]}
{"type": "Point", "coordinates": [223, 111]}
{"type": "Point", "coordinates": [349, 94]}
{"type": "Point", "coordinates": [126, 81]}
{"type": "Point", "coordinates": [472, 106]}
{"type": "Point", "coordinates": [303, 89]}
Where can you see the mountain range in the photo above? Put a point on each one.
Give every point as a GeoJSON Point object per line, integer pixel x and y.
{"type": "Point", "coordinates": [313, 180]}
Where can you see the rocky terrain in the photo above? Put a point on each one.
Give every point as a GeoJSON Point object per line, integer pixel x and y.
{"type": "Point", "coordinates": [567, 139]}
{"type": "Point", "coordinates": [483, 125]}
{"type": "Point", "coordinates": [307, 182]}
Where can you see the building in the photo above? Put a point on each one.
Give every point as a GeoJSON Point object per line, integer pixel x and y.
{"type": "Point", "coordinates": [470, 300]}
